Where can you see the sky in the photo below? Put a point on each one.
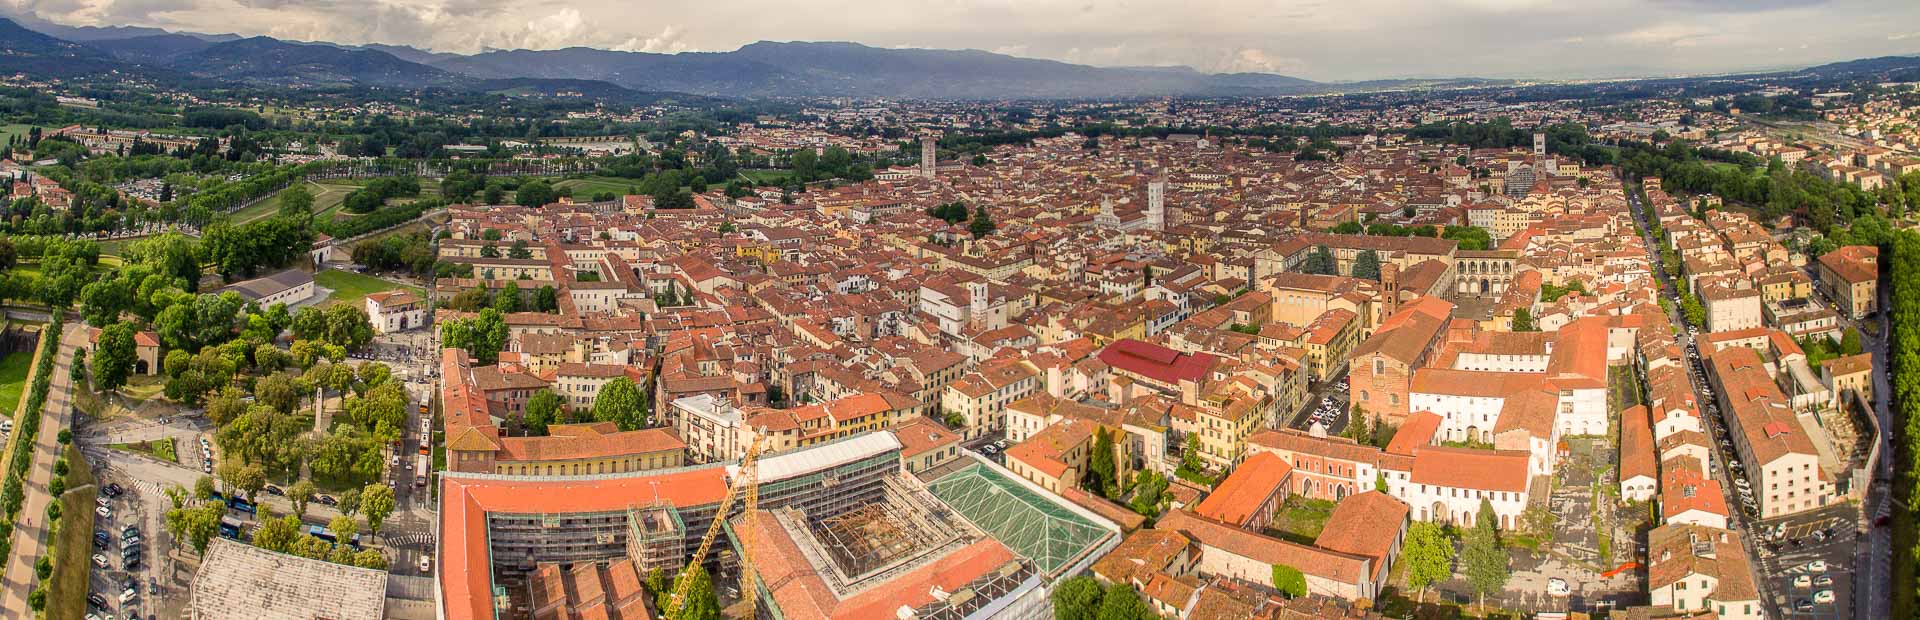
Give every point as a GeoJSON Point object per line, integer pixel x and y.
{"type": "Point", "coordinates": [1328, 40]}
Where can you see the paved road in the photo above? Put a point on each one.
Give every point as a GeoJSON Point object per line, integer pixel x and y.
{"type": "Point", "coordinates": [30, 531]}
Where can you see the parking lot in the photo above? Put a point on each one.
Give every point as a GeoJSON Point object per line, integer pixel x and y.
{"type": "Point", "coordinates": [127, 543]}
{"type": "Point", "coordinates": [1327, 407]}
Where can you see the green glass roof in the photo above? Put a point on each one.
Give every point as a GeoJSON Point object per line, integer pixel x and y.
{"type": "Point", "coordinates": [1035, 527]}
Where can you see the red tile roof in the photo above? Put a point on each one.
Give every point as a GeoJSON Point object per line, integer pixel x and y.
{"type": "Point", "coordinates": [1157, 362]}
{"type": "Point", "coordinates": [1241, 495]}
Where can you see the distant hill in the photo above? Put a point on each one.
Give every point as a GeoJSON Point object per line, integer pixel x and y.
{"type": "Point", "coordinates": [1903, 65]}
{"type": "Point", "coordinates": [769, 69]}
{"type": "Point", "coordinates": [26, 51]}
{"type": "Point", "coordinates": [151, 48]}
{"type": "Point", "coordinates": [268, 60]}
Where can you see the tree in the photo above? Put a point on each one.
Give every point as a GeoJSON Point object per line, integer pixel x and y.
{"type": "Point", "coordinates": [113, 358]}
{"type": "Point", "coordinates": [1148, 487]}
{"type": "Point", "coordinates": [344, 527]}
{"type": "Point", "coordinates": [1122, 602]}
{"type": "Point", "coordinates": [1101, 477]}
{"type": "Point", "coordinates": [482, 335]}
{"type": "Point", "coordinates": [349, 501]}
{"type": "Point", "coordinates": [1850, 341]}
{"type": "Point", "coordinates": [1523, 321]}
{"type": "Point", "coordinates": [1367, 265]}
{"type": "Point", "coordinates": [241, 478]}
{"type": "Point", "coordinates": [1320, 262]}
{"type": "Point", "coordinates": [543, 408]}
{"type": "Point", "coordinates": [300, 493]}
{"type": "Point", "coordinates": [508, 300]}
{"type": "Point", "coordinates": [534, 193]}
{"type": "Point", "coordinates": [982, 223]}
{"type": "Point", "coordinates": [1428, 556]}
{"type": "Point", "coordinates": [547, 299]}
{"type": "Point", "coordinates": [700, 602]}
{"type": "Point", "coordinates": [370, 558]}
{"type": "Point", "coordinates": [1485, 560]}
{"type": "Point", "coordinates": [376, 502]}
{"type": "Point", "coordinates": [279, 535]}
{"type": "Point", "coordinates": [1077, 598]}
{"type": "Point", "coordinates": [1289, 581]}
{"type": "Point", "coordinates": [1357, 425]}
{"type": "Point", "coordinates": [620, 402]}
{"type": "Point", "coordinates": [296, 201]}
{"type": "Point", "coordinates": [203, 487]}
{"type": "Point", "coordinates": [195, 523]}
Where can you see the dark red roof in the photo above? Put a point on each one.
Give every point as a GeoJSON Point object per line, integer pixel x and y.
{"type": "Point", "coordinates": [1157, 362]}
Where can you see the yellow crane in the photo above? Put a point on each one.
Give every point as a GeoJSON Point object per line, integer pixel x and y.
{"type": "Point", "coordinates": [749, 486]}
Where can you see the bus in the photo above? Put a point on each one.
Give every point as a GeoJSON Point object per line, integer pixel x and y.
{"type": "Point", "coordinates": [422, 464]}
{"type": "Point", "coordinates": [229, 529]}
{"type": "Point", "coordinates": [325, 534]}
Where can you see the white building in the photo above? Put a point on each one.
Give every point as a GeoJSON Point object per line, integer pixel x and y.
{"type": "Point", "coordinates": [396, 311]}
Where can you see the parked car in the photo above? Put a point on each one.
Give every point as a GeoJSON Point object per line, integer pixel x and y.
{"type": "Point", "coordinates": [1823, 581]}
{"type": "Point", "coordinates": [100, 560]}
{"type": "Point", "coordinates": [104, 512]}
{"type": "Point", "coordinates": [1818, 566]}
{"type": "Point", "coordinates": [1557, 587]}
{"type": "Point", "coordinates": [274, 490]}
{"type": "Point", "coordinates": [1803, 582]}
{"type": "Point", "coordinates": [1823, 597]}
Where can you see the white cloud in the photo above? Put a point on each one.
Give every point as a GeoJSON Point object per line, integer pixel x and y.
{"type": "Point", "coordinates": [1317, 39]}
{"type": "Point", "coordinates": [669, 41]}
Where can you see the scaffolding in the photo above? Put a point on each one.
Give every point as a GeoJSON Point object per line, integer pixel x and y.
{"type": "Point", "coordinates": [656, 538]}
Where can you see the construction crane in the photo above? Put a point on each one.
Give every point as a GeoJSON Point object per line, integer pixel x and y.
{"type": "Point", "coordinates": [747, 485]}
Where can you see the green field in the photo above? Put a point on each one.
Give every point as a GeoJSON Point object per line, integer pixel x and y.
{"type": "Point", "coordinates": [349, 287]}
{"type": "Point", "coordinates": [7, 133]}
{"type": "Point", "coordinates": [585, 188]}
{"type": "Point", "coordinates": [13, 380]}
{"type": "Point", "coordinates": [67, 590]}
{"type": "Point", "coordinates": [764, 177]}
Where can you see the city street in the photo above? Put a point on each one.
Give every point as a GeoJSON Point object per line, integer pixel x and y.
{"type": "Point", "coordinates": [1776, 588]}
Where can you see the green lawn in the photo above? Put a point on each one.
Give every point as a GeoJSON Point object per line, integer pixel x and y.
{"type": "Point", "coordinates": [161, 449]}
{"type": "Point", "coordinates": [349, 287]}
{"type": "Point", "coordinates": [1300, 520]}
{"type": "Point", "coordinates": [13, 380]}
{"type": "Point", "coordinates": [7, 132]}
{"type": "Point", "coordinates": [73, 544]}
{"type": "Point", "coordinates": [764, 177]}
{"type": "Point", "coordinates": [584, 189]}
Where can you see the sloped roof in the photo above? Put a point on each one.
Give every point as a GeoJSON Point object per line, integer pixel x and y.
{"type": "Point", "coordinates": [1025, 520]}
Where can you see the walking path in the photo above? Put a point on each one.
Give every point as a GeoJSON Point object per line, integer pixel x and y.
{"type": "Point", "coordinates": [30, 532]}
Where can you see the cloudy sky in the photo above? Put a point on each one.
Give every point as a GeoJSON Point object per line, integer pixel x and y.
{"type": "Point", "coordinates": [1316, 39]}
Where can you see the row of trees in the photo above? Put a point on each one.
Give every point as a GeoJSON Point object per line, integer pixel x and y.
{"type": "Point", "coordinates": [1904, 317]}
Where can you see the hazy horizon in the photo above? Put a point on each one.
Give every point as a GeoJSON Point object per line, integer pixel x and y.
{"type": "Point", "coordinates": [1314, 39]}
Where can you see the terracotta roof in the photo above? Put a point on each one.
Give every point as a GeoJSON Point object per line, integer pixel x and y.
{"type": "Point", "coordinates": [1365, 525]}
{"type": "Point", "coordinates": [1238, 498]}
{"type": "Point", "coordinates": [1157, 362]}
{"type": "Point", "coordinates": [1464, 468]}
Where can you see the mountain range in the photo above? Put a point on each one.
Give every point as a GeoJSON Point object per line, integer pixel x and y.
{"type": "Point", "coordinates": [758, 70]}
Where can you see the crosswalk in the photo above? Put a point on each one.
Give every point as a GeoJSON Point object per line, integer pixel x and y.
{"type": "Point", "coordinates": [423, 539]}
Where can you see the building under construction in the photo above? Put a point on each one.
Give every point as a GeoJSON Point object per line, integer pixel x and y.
{"type": "Point", "coordinates": [840, 532]}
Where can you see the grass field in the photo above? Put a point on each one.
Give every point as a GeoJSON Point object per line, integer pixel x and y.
{"type": "Point", "coordinates": [67, 589]}
{"type": "Point", "coordinates": [349, 287]}
{"type": "Point", "coordinates": [584, 189]}
{"type": "Point", "coordinates": [13, 379]}
{"type": "Point", "coordinates": [163, 449]}
{"type": "Point", "coordinates": [1300, 520]}
{"type": "Point", "coordinates": [763, 177]}
{"type": "Point", "coordinates": [7, 132]}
